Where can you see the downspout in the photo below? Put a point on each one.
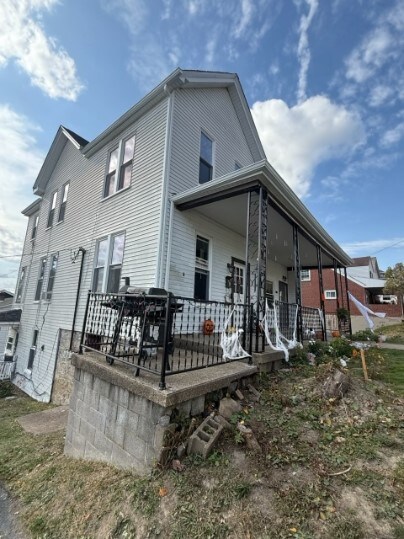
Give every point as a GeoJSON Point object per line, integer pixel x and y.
{"type": "Point", "coordinates": [164, 190]}
{"type": "Point", "coordinates": [170, 236]}
{"type": "Point", "coordinates": [83, 252]}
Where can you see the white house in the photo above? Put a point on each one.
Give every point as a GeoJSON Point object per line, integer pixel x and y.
{"type": "Point", "coordinates": [177, 193]}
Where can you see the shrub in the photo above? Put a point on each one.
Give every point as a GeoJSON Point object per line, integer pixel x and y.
{"type": "Point", "coordinates": [365, 335]}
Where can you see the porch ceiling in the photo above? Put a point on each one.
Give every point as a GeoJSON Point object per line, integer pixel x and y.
{"type": "Point", "coordinates": [232, 214]}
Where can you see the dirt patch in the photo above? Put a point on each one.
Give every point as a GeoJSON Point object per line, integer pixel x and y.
{"type": "Point", "coordinates": [45, 422]}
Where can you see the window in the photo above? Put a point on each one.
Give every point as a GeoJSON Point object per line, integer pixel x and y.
{"type": "Point", "coordinates": [52, 209]}
{"type": "Point", "coordinates": [206, 159]}
{"type": "Point", "coordinates": [305, 275]}
{"type": "Point", "coordinates": [119, 169]}
{"type": "Point", "coordinates": [201, 285]}
{"type": "Point", "coordinates": [34, 226]}
{"type": "Point", "coordinates": [330, 294]}
{"type": "Point", "coordinates": [108, 263]}
{"type": "Point", "coordinates": [20, 287]}
{"type": "Point", "coordinates": [9, 345]}
{"type": "Point", "coordinates": [269, 291]}
{"type": "Point", "coordinates": [42, 265]}
{"type": "Point", "coordinates": [62, 209]}
{"type": "Point", "coordinates": [51, 278]}
{"type": "Point", "coordinates": [32, 351]}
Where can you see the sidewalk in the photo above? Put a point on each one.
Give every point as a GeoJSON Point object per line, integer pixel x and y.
{"type": "Point", "coordinates": [391, 346]}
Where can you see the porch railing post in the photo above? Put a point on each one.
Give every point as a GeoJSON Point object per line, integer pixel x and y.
{"type": "Point", "coordinates": [321, 289]}
{"type": "Point", "coordinates": [336, 290]}
{"type": "Point", "coordinates": [348, 303]}
{"type": "Point", "coordinates": [298, 286]}
{"type": "Point", "coordinates": [166, 338]}
{"type": "Point", "coordinates": [84, 322]}
{"type": "Point", "coordinates": [251, 317]}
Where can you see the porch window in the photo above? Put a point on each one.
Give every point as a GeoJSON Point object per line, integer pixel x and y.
{"type": "Point", "coordinates": [42, 265]}
{"type": "Point", "coordinates": [201, 284]}
{"type": "Point", "coordinates": [108, 263]}
{"type": "Point", "coordinates": [52, 209]}
{"type": "Point", "coordinates": [20, 287]}
{"type": "Point", "coordinates": [269, 291]}
{"type": "Point", "coordinates": [35, 226]}
{"type": "Point", "coordinates": [51, 278]}
{"type": "Point", "coordinates": [206, 159]}
{"type": "Point", "coordinates": [119, 170]}
{"type": "Point", "coordinates": [305, 275]}
{"type": "Point", "coordinates": [62, 209]}
{"type": "Point", "coordinates": [330, 294]}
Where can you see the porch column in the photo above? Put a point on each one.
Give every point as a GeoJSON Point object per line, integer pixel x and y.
{"type": "Point", "coordinates": [256, 257]}
{"type": "Point", "coordinates": [336, 282]}
{"type": "Point", "coordinates": [298, 286]}
{"type": "Point", "coordinates": [348, 304]}
{"type": "Point", "coordinates": [321, 288]}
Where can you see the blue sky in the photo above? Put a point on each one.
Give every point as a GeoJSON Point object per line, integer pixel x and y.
{"type": "Point", "coordinates": [324, 80]}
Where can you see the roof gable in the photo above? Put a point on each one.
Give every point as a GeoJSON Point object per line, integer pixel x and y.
{"type": "Point", "coordinates": [62, 136]}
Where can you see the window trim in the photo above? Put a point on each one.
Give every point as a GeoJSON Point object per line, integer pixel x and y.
{"type": "Point", "coordinates": [119, 166]}
{"type": "Point", "coordinates": [201, 159]}
{"type": "Point", "coordinates": [63, 202]}
{"type": "Point", "coordinates": [333, 291]}
{"type": "Point", "coordinates": [208, 269]}
{"type": "Point", "coordinates": [308, 278]}
{"type": "Point", "coordinates": [110, 243]}
{"type": "Point", "coordinates": [48, 297]}
{"type": "Point", "coordinates": [32, 350]}
{"type": "Point", "coordinates": [42, 264]}
{"type": "Point", "coordinates": [20, 286]}
{"type": "Point", "coordinates": [35, 227]}
{"type": "Point", "coordinates": [52, 208]}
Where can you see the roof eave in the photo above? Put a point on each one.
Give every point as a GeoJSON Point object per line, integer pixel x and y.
{"type": "Point", "coordinates": [32, 208]}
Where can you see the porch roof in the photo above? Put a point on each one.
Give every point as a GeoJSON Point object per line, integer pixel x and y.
{"type": "Point", "coordinates": [280, 194]}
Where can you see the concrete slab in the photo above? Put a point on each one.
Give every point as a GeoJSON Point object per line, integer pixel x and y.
{"type": "Point", "coordinates": [180, 387]}
{"type": "Point", "coordinates": [45, 422]}
{"type": "Point", "coordinates": [391, 346]}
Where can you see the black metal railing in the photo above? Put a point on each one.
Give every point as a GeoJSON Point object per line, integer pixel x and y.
{"type": "Point", "coordinates": [165, 334]}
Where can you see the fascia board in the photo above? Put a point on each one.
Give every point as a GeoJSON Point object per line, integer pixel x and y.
{"type": "Point", "coordinates": [32, 208]}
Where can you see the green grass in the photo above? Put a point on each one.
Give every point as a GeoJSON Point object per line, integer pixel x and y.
{"type": "Point", "coordinates": [392, 372]}
{"type": "Point", "coordinates": [394, 334]}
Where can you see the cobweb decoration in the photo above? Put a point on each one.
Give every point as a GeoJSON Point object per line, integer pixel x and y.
{"type": "Point", "coordinates": [230, 341]}
{"type": "Point", "coordinates": [279, 342]}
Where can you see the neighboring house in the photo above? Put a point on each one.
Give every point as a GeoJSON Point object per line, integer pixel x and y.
{"type": "Point", "coordinates": [177, 194]}
{"type": "Point", "coordinates": [9, 325]}
{"type": "Point", "coordinates": [365, 282]}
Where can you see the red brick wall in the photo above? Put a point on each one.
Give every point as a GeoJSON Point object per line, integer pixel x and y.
{"type": "Point", "coordinates": [311, 295]}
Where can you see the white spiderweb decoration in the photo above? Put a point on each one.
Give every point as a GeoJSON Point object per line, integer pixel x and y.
{"type": "Point", "coordinates": [279, 342]}
{"type": "Point", "coordinates": [230, 341]}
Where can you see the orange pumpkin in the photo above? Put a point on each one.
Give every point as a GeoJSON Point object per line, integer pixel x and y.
{"type": "Point", "coordinates": [208, 327]}
{"type": "Point", "coordinates": [335, 333]}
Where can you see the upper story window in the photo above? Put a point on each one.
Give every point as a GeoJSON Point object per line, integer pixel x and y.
{"type": "Point", "coordinates": [201, 283]}
{"type": "Point", "coordinates": [20, 287]}
{"type": "Point", "coordinates": [330, 294]}
{"type": "Point", "coordinates": [51, 278]}
{"type": "Point", "coordinates": [52, 209]}
{"type": "Point", "coordinates": [206, 159]}
{"type": "Point", "coordinates": [41, 275]}
{"type": "Point", "coordinates": [108, 263]}
{"type": "Point", "coordinates": [305, 275]}
{"type": "Point", "coordinates": [119, 170]}
{"type": "Point", "coordinates": [35, 226]}
{"type": "Point", "coordinates": [62, 209]}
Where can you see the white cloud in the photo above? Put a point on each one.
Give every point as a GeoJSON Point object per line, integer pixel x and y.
{"type": "Point", "coordinates": [246, 15]}
{"type": "Point", "coordinates": [299, 138]}
{"type": "Point", "coordinates": [379, 95]}
{"type": "Point", "coordinates": [370, 247]}
{"type": "Point", "coordinates": [23, 40]}
{"type": "Point", "coordinates": [20, 161]}
{"type": "Point", "coordinates": [303, 50]}
{"type": "Point", "coordinates": [392, 136]}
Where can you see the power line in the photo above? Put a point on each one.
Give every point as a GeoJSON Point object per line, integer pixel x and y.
{"type": "Point", "coordinates": [388, 247]}
{"type": "Point", "coordinates": [38, 253]}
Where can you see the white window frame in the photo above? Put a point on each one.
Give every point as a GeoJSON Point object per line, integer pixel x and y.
{"type": "Point", "coordinates": [34, 230]}
{"type": "Point", "coordinates": [20, 287]}
{"type": "Point", "coordinates": [304, 279]}
{"type": "Point", "coordinates": [63, 202]}
{"type": "Point", "coordinates": [108, 262]}
{"type": "Point", "coordinates": [32, 350]}
{"type": "Point", "coordinates": [52, 208]}
{"type": "Point", "coordinates": [207, 135]}
{"type": "Point", "coordinates": [120, 166]}
{"type": "Point", "coordinates": [51, 277]}
{"type": "Point", "coordinates": [202, 266]}
{"type": "Point", "coordinates": [41, 277]}
{"type": "Point", "coordinates": [330, 294]}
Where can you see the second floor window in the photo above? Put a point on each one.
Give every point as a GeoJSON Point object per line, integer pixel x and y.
{"type": "Point", "coordinates": [34, 226]}
{"type": "Point", "coordinates": [119, 170]}
{"type": "Point", "coordinates": [41, 276]}
{"type": "Point", "coordinates": [51, 278]}
{"type": "Point", "coordinates": [330, 294]}
{"type": "Point", "coordinates": [205, 159]}
{"type": "Point", "coordinates": [52, 209]}
{"type": "Point", "coordinates": [20, 287]}
{"type": "Point", "coordinates": [108, 263]}
{"type": "Point", "coordinates": [305, 275]}
{"type": "Point", "coordinates": [62, 209]}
